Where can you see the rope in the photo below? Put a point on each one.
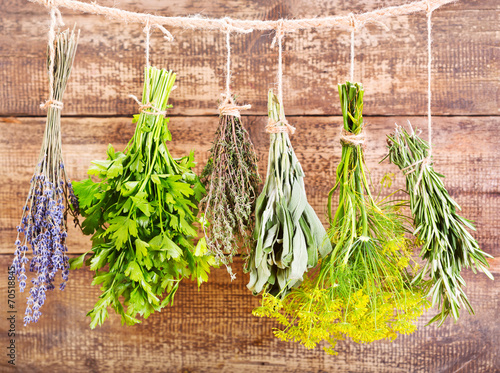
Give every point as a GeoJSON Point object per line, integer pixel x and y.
{"type": "Point", "coordinates": [238, 25]}
{"type": "Point", "coordinates": [279, 126]}
{"type": "Point", "coordinates": [55, 21]}
{"type": "Point", "coordinates": [349, 138]}
{"type": "Point", "coordinates": [228, 106]}
{"type": "Point", "coordinates": [148, 107]}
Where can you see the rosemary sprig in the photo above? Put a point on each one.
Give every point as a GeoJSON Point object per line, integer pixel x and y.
{"type": "Point", "coordinates": [447, 246]}
{"type": "Point", "coordinates": [288, 232]}
{"type": "Point", "coordinates": [50, 198]}
{"type": "Point", "coordinates": [231, 179]}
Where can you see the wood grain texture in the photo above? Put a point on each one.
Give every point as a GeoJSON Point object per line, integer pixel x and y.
{"type": "Point", "coordinates": [212, 330]}
{"type": "Point", "coordinates": [472, 169]}
{"type": "Point", "coordinates": [392, 65]}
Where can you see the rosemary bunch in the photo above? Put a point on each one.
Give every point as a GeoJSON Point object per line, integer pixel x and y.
{"type": "Point", "coordinates": [50, 198]}
{"type": "Point", "coordinates": [362, 289]}
{"type": "Point", "coordinates": [447, 246]}
{"type": "Point", "coordinates": [287, 230]}
{"type": "Point", "coordinates": [231, 179]}
{"type": "Point", "coordinates": [141, 215]}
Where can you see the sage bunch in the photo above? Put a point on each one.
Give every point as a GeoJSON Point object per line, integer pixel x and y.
{"type": "Point", "coordinates": [447, 245]}
{"type": "Point", "coordinates": [362, 290]}
{"type": "Point", "coordinates": [50, 199]}
{"type": "Point", "coordinates": [141, 214]}
{"type": "Point", "coordinates": [288, 232]}
{"type": "Point", "coordinates": [231, 179]}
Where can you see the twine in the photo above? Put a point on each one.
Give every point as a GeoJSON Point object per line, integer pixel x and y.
{"type": "Point", "coordinates": [279, 126]}
{"type": "Point", "coordinates": [52, 103]}
{"type": "Point", "coordinates": [282, 124]}
{"type": "Point", "coordinates": [55, 21]}
{"type": "Point", "coordinates": [228, 106]}
{"type": "Point", "coordinates": [351, 139]}
{"type": "Point", "coordinates": [148, 107]}
{"type": "Point", "coordinates": [427, 161]}
{"type": "Point", "coordinates": [239, 25]}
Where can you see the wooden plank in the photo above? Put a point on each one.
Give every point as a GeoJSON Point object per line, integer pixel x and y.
{"type": "Point", "coordinates": [392, 65]}
{"type": "Point", "coordinates": [465, 148]}
{"type": "Point", "coordinates": [212, 330]}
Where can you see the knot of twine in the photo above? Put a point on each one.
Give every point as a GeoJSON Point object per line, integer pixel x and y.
{"type": "Point", "coordinates": [229, 107]}
{"type": "Point", "coordinates": [52, 103]}
{"type": "Point", "coordinates": [150, 25]}
{"type": "Point", "coordinates": [355, 23]}
{"type": "Point", "coordinates": [280, 32]}
{"type": "Point", "coordinates": [424, 163]}
{"type": "Point", "coordinates": [226, 25]}
{"type": "Point", "coordinates": [148, 108]}
{"type": "Point", "coordinates": [279, 126]}
{"type": "Point", "coordinates": [351, 139]}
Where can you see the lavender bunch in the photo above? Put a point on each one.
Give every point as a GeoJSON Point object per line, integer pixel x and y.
{"type": "Point", "coordinates": [50, 198]}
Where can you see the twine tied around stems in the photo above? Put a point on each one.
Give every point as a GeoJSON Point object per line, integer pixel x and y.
{"type": "Point", "coordinates": [52, 103]}
{"type": "Point", "coordinates": [427, 161]}
{"type": "Point", "coordinates": [55, 21]}
{"type": "Point", "coordinates": [228, 106]}
{"type": "Point", "coordinates": [281, 125]}
{"type": "Point", "coordinates": [351, 139]}
{"type": "Point", "coordinates": [148, 107]}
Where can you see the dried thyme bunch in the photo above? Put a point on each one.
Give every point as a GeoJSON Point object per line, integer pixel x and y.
{"type": "Point", "coordinates": [50, 198]}
{"type": "Point", "coordinates": [362, 289]}
{"type": "Point", "coordinates": [288, 231]}
{"type": "Point", "coordinates": [447, 246]}
{"type": "Point", "coordinates": [231, 179]}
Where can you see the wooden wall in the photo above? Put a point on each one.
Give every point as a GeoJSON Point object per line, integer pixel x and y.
{"type": "Point", "coordinates": [212, 329]}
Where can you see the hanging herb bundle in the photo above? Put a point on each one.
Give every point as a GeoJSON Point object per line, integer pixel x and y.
{"type": "Point", "coordinates": [288, 232]}
{"type": "Point", "coordinates": [363, 289]}
{"type": "Point", "coordinates": [141, 214]}
{"type": "Point", "coordinates": [447, 246]}
{"type": "Point", "coordinates": [231, 179]}
{"type": "Point", "coordinates": [50, 198]}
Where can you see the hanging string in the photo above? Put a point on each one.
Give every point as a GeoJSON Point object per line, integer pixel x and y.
{"type": "Point", "coordinates": [201, 23]}
{"type": "Point", "coordinates": [429, 76]}
{"type": "Point", "coordinates": [148, 107]}
{"type": "Point", "coordinates": [55, 21]}
{"type": "Point", "coordinates": [427, 161]}
{"type": "Point", "coordinates": [282, 124]}
{"type": "Point", "coordinates": [228, 106]}
{"type": "Point", "coordinates": [352, 55]}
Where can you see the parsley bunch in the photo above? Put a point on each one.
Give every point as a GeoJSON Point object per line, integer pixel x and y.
{"type": "Point", "coordinates": [288, 232]}
{"type": "Point", "coordinates": [141, 216]}
{"type": "Point", "coordinates": [447, 246]}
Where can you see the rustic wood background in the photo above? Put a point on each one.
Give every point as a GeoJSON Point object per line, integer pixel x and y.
{"type": "Point", "coordinates": [212, 329]}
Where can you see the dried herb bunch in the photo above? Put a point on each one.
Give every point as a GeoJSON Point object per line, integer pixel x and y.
{"type": "Point", "coordinates": [447, 246]}
{"type": "Point", "coordinates": [288, 232]}
{"type": "Point", "coordinates": [362, 289]}
{"type": "Point", "coordinates": [50, 198]}
{"type": "Point", "coordinates": [231, 179]}
{"type": "Point", "coordinates": [141, 214]}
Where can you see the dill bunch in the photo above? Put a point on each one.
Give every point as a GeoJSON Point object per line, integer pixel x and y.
{"type": "Point", "coordinates": [288, 232]}
{"type": "Point", "coordinates": [231, 179]}
{"type": "Point", "coordinates": [447, 246]}
{"type": "Point", "coordinates": [362, 290]}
